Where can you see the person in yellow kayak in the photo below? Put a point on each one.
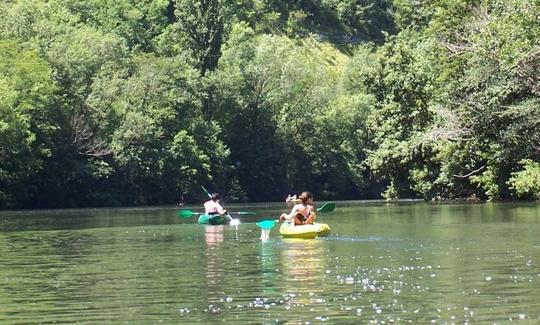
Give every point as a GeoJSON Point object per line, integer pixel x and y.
{"type": "Point", "coordinates": [302, 213]}
{"type": "Point", "coordinates": [213, 206]}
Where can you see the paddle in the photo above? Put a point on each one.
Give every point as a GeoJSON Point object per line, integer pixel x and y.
{"type": "Point", "coordinates": [187, 213]}
{"type": "Point", "coordinates": [269, 224]}
{"type": "Point", "coordinates": [207, 193]}
{"type": "Point", "coordinates": [327, 207]}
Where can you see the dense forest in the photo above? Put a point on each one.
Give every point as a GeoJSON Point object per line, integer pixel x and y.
{"type": "Point", "coordinates": [139, 102]}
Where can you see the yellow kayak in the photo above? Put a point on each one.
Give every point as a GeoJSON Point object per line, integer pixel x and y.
{"type": "Point", "coordinates": [289, 230]}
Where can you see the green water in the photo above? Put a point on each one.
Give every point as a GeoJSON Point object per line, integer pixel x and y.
{"type": "Point", "coordinates": [383, 263]}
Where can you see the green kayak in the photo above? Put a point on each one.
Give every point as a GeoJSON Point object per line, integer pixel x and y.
{"type": "Point", "coordinates": [210, 219]}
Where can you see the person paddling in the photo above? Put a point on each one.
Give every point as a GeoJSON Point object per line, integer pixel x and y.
{"type": "Point", "coordinates": [213, 206]}
{"type": "Point", "coordinates": [302, 213]}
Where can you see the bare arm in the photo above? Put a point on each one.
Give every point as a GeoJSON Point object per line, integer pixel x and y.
{"type": "Point", "coordinates": [293, 212]}
{"type": "Point", "coordinates": [221, 210]}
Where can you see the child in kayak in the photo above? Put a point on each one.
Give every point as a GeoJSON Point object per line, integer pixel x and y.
{"type": "Point", "coordinates": [302, 213]}
{"type": "Point", "coordinates": [213, 206]}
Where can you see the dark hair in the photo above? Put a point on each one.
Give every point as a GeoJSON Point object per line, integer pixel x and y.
{"type": "Point", "coordinates": [216, 197]}
{"type": "Point", "coordinates": [305, 197]}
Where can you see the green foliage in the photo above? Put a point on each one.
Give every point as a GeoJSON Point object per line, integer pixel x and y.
{"type": "Point", "coordinates": [295, 23]}
{"type": "Point", "coordinates": [198, 32]}
{"type": "Point", "coordinates": [79, 54]}
{"type": "Point", "coordinates": [526, 182]}
{"type": "Point", "coordinates": [248, 86]}
{"type": "Point", "coordinates": [491, 107]}
{"type": "Point", "coordinates": [141, 102]}
{"type": "Point", "coordinates": [370, 19]}
{"type": "Point", "coordinates": [339, 140]}
{"type": "Point", "coordinates": [402, 113]}
{"type": "Point", "coordinates": [26, 90]}
{"type": "Point", "coordinates": [138, 23]}
{"type": "Point", "coordinates": [161, 144]}
{"type": "Point", "coordinates": [488, 182]}
{"type": "Point", "coordinates": [280, 96]}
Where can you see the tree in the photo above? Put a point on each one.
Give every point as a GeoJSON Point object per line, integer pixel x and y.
{"type": "Point", "coordinates": [161, 144]}
{"type": "Point", "coordinates": [491, 98]}
{"type": "Point", "coordinates": [26, 120]}
{"type": "Point", "coordinates": [198, 32]}
{"type": "Point", "coordinates": [403, 91]}
{"type": "Point", "coordinates": [138, 23]}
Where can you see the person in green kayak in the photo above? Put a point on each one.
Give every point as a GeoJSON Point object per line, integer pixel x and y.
{"type": "Point", "coordinates": [213, 206]}
{"type": "Point", "coordinates": [302, 213]}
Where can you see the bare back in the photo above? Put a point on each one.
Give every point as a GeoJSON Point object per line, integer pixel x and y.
{"type": "Point", "coordinates": [303, 210]}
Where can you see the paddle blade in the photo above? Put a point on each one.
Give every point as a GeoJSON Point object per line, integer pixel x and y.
{"type": "Point", "coordinates": [185, 213]}
{"type": "Point", "coordinates": [266, 224]}
{"type": "Point", "coordinates": [327, 207]}
{"type": "Point", "coordinates": [243, 213]}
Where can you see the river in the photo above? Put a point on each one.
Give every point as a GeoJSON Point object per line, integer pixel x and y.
{"type": "Point", "coordinates": [405, 262]}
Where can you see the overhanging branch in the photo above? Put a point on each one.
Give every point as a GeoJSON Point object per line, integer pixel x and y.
{"type": "Point", "coordinates": [474, 172]}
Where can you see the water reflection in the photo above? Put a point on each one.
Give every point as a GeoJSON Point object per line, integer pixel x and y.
{"type": "Point", "coordinates": [302, 260]}
{"type": "Point", "coordinates": [414, 263]}
{"type": "Point", "coordinates": [270, 270]}
{"type": "Point", "coordinates": [303, 263]}
{"type": "Point", "coordinates": [36, 269]}
{"type": "Point", "coordinates": [213, 236]}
